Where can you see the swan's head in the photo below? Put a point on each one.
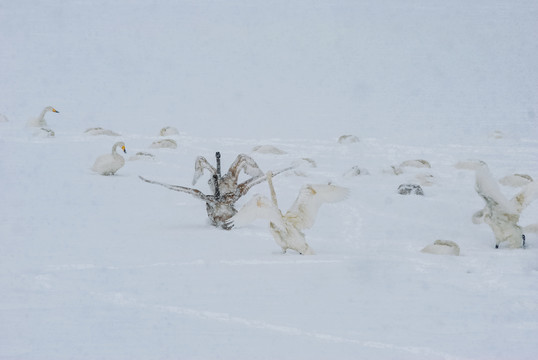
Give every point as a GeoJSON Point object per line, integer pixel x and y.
{"type": "Point", "coordinates": [121, 144]}
{"type": "Point", "coordinates": [50, 108]}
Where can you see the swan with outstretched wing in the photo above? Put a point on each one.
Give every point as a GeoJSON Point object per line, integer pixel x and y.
{"type": "Point", "coordinates": [287, 229]}
{"type": "Point", "coordinates": [501, 214]}
{"type": "Point", "coordinates": [226, 190]}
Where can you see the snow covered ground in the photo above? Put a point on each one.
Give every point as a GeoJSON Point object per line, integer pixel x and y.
{"type": "Point", "coordinates": [96, 267]}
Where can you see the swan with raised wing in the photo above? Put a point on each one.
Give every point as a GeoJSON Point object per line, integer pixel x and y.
{"type": "Point", "coordinates": [287, 229]}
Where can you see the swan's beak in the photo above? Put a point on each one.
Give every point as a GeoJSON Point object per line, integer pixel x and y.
{"type": "Point", "coordinates": [54, 110]}
{"type": "Point", "coordinates": [123, 148]}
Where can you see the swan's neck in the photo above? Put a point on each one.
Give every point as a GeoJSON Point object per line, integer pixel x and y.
{"type": "Point", "coordinates": [114, 147]}
{"type": "Point", "coordinates": [42, 116]}
{"type": "Point", "coordinates": [273, 193]}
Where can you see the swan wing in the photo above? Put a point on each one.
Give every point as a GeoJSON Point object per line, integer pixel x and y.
{"type": "Point", "coordinates": [101, 163]}
{"type": "Point", "coordinates": [108, 164]}
{"type": "Point", "coordinates": [199, 165]}
{"type": "Point", "coordinates": [304, 210]}
{"type": "Point", "coordinates": [196, 193]}
{"type": "Point", "coordinates": [525, 196]}
{"type": "Point", "coordinates": [244, 163]}
{"type": "Point", "coordinates": [259, 207]}
{"type": "Point", "coordinates": [489, 190]}
{"type": "Point", "coordinates": [245, 186]}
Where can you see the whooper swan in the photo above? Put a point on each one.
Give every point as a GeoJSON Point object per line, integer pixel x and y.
{"type": "Point", "coordinates": [501, 214]}
{"type": "Point", "coordinates": [108, 164]}
{"type": "Point", "coordinates": [40, 120]}
{"type": "Point", "coordinates": [286, 229]}
{"type": "Point", "coordinates": [96, 131]}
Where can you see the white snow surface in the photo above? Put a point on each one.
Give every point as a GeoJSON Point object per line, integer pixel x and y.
{"type": "Point", "coordinates": [110, 267]}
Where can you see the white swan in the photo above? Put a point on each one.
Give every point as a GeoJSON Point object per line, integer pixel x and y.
{"type": "Point", "coordinates": [268, 149]}
{"type": "Point", "coordinates": [442, 247]}
{"type": "Point", "coordinates": [501, 214]}
{"type": "Point", "coordinates": [169, 130]}
{"type": "Point", "coordinates": [164, 143]}
{"type": "Point", "coordinates": [348, 139]}
{"type": "Point", "coordinates": [40, 120]}
{"type": "Point", "coordinates": [286, 229]}
{"type": "Point", "coordinates": [96, 131]}
{"type": "Point", "coordinates": [108, 164]}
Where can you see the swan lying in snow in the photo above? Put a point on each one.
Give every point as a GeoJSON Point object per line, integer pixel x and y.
{"type": "Point", "coordinates": [142, 156]}
{"type": "Point", "coordinates": [442, 247]}
{"type": "Point", "coordinates": [164, 143]}
{"type": "Point", "coordinates": [348, 139]}
{"type": "Point", "coordinates": [108, 164]}
{"type": "Point", "coordinates": [40, 120]}
{"type": "Point", "coordinates": [471, 164]}
{"type": "Point", "coordinates": [286, 229]}
{"type": "Point", "coordinates": [419, 164]}
{"type": "Point", "coordinates": [356, 171]}
{"type": "Point", "coordinates": [169, 130]}
{"type": "Point", "coordinates": [100, 131]}
{"type": "Point", "coordinates": [268, 149]}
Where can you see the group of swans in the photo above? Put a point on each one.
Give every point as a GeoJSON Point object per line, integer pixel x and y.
{"type": "Point", "coordinates": [287, 229]}
{"type": "Point", "coordinates": [106, 164]}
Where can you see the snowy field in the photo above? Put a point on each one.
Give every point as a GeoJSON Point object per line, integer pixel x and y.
{"type": "Point", "coordinates": [110, 267]}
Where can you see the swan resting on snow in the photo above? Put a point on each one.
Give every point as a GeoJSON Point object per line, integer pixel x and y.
{"type": "Point", "coordinates": [442, 247]}
{"type": "Point", "coordinates": [108, 164]}
{"type": "Point", "coordinates": [40, 120]}
{"type": "Point", "coordinates": [168, 130]}
{"type": "Point", "coordinates": [287, 229]}
{"type": "Point", "coordinates": [96, 131]}
{"type": "Point", "coordinates": [268, 149]}
{"type": "Point", "coordinates": [164, 143]}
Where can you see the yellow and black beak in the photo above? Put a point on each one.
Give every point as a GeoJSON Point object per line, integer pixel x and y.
{"type": "Point", "coordinates": [123, 148]}
{"type": "Point", "coordinates": [54, 110]}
